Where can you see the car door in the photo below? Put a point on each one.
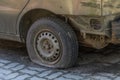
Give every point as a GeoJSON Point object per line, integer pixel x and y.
{"type": "Point", "coordinates": [9, 12]}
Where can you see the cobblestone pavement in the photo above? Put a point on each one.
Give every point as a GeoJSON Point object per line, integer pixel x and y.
{"type": "Point", "coordinates": [92, 65]}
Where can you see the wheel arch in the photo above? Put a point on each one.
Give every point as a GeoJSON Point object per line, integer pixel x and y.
{"type": "Point", "coordinates": [28, 18]}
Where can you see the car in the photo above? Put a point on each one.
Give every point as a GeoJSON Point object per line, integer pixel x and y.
{"type": "Point", "coordinates": [53, 29]}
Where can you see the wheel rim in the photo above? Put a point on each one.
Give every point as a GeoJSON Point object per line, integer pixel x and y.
{"type": "Point", "coordinates": [48, 46]}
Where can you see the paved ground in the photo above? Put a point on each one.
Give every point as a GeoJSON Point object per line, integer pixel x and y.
{"type": "Point", "coordinates": [92, 65]}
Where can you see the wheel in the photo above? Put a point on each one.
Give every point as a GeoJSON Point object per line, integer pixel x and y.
{"type": "Point", "coordinates": [52, 43]}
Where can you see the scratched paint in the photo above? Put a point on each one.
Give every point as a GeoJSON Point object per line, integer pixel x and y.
{"type": "Point", "coordinates": [111, 7]}
{"type": "Point", "coordinates": [70, 7]}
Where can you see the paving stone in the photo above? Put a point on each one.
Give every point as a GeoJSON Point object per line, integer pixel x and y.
{"type": "Point", "coordinates": [19, 67]}
{"type": "Point", "coordinates": [54, 75]}
{"type": "Point", "coordinates": [11, 76]}
{"type": "Point", "coordinates": [118, 78]}
{"type": "Point", "coordinates": [11, 65]}
{"type": "Point", "coordinates": [2, 75]}
{"type": "Point", "coordinates": [84, 75]}
{"type": "Point", "coordinates": [107, 64]}
{"type": "Point", "coordinates": [21, 77]}
{"type": "Point", "coordinates": [13, 70]}
{"type": "Point", "coordinates": [1, 64]}
{"type": "Point", "coordinates": [113, 59]}
{"type": "Point", "coordinates": [107, 75]}
{"type": "Point", "coordinates": [62, 78]}
{"type": "Point", "coordinates": [45, 73]}
{"type": "Point", "coordinates": [72, 76]}
{"type": "Point", "coordinates": [4, 61]}
{"type": "Point", "coordinates": [37, 78]}
{"type": "Point", "coordinates": [37, 69]}
{"type": "Point", "coordinates": [90, 78]}
{"type": "Point", "coordinates": [101, 78]}
{"type": "Point", "coordinates": [31, 72]}
{"type": "Point", "coordinates": [5, 71]}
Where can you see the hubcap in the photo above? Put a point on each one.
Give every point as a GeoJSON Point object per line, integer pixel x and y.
{"type": "Point", "coordinates": [48, 46]}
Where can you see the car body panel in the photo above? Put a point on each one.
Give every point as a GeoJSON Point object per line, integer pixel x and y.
{"type": "Point", "coordinates": [63, 7]}
{"type": "Point", "coordinates": [110, 7]}
{"type": "Point", "coordinates": [79, 12]}
{"type": "Point", "coordinates": [70, 7]}
{"type": "Point", "coordinates": [9, 12]}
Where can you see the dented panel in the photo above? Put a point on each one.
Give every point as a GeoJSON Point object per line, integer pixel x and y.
{"type": "Point", "coordinates": [88, 7]}
{"type": "Point", "coordinates": [78, 7]}
{"type": "Point", "coordinates": [111, 7]}
{"type": "Point", "coordinates": [71, 7]}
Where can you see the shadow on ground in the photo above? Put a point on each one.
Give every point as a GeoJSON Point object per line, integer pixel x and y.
{"type": "Point", "coordinates": [90, 61]}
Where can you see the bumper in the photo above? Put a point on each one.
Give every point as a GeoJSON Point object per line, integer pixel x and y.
{"type": "Point", "coordinates": [97, 34]}
{"type": "Point", "coordinates": [97, 25]}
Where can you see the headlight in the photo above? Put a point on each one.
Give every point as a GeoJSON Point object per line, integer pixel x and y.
{"type": "Point", "coordinates": [95, 24]}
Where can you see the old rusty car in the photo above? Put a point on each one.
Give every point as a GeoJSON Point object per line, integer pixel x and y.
{"type": "Point", "coordinates": [53, 29]}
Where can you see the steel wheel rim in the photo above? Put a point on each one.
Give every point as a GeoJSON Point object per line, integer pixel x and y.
{"type": "Point", "coordinates": [48, 46]}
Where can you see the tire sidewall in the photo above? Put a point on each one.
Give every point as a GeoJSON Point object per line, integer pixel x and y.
{"type": "Point", "coordinates": [64, 37]}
